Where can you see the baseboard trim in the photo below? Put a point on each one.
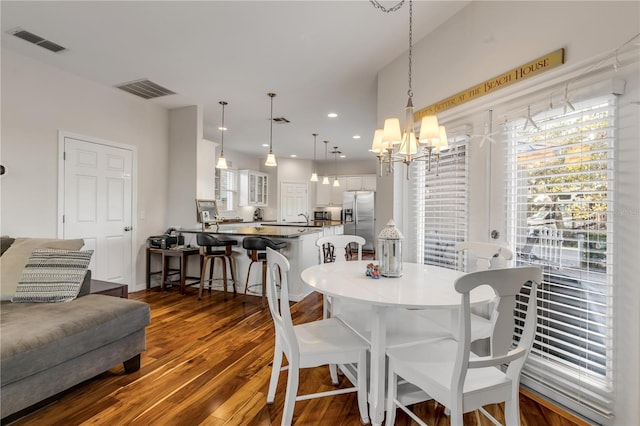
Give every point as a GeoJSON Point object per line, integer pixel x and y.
{"type": "Point", "coordinates": [552, 407]}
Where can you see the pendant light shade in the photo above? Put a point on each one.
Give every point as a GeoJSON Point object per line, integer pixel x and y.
{"type": "Point", "coordinates": [271, 159]}
{"type": "Point", "coordinates": [314, 175]}
{"type": "Point", "coordinates": [222, 162]}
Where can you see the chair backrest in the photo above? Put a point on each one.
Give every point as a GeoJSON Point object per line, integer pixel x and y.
{"type": "Point", "coordinates": [507, 283]}
{"type": "Point", "coordinates": [258, 243]}
{"type": "Point", "coordinates": [278, 267]}
{"type": "Point", "coordinates": [205, 240]}
{"type": "Point", "coordinates": [339, 242]}
{"type": "Point", "coordinates": [482, 256]}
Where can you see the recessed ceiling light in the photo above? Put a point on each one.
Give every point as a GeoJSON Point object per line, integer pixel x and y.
{"type": "Point", "coordinates": [222, 128]}
{"type": "Point", "coordinates": [332, 115]}
{"type": "Point", "coordinates": [343, 156]}
{"type": "Point", "coordinates": [356, 136]}
{"type": "Point", "coordinates": [293, 156]}
{"type": "Point", "coordinates": [266, 145]}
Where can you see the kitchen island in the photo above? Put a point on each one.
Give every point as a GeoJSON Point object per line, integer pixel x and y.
{"type": "Point", "coordinates": [301, 251]}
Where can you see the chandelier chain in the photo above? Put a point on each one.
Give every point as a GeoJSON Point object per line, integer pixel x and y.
{"type": "Point", "coordinates": [410, 91]}
{"type": "Point", "coordinates": [395, 7]}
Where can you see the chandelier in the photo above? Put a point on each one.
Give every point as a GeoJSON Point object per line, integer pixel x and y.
{"type": "Point", "coordinates": [391, 145]}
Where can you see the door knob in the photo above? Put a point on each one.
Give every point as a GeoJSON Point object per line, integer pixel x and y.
{"type": "Point", "coordinates": [127, 228]}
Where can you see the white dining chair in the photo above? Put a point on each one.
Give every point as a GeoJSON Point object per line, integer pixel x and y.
{"type": "Point", "coordinates": [307, 345]}
{"type": "Point", "coordinates": [336, 248]}
{"type": "Point", "coordinates": [451, 374]}
{"type": "Point", "coordinates": [474, 256]}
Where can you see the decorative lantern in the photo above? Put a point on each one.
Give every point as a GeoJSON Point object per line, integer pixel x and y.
{"type": "Point", "coordinates": [390, 251]}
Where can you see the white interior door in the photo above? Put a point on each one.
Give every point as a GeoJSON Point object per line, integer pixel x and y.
{"type": "Point", "coordinates": [293, 201]}
{"type": "Point", "coordinates": [98, 205]}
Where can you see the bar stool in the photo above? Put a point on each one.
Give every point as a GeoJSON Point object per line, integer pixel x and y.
{"type": "Point", "coordinates": [209, 243]}
{"type": "Point", "coordinates": [257, 251]}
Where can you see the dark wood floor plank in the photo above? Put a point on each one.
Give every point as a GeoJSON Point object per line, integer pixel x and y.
{"type": "Point", "coordinates": [208, 362]}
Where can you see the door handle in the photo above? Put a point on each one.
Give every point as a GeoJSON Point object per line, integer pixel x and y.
{"type": "Point", "coordinates": [127, 228]}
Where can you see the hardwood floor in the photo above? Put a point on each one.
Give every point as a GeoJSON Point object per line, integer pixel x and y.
{"type": "Point", "coordinates": [208, 363]}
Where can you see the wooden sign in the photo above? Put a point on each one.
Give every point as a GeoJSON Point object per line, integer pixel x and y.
{"type": "Point", "coordinates": [520, 73]}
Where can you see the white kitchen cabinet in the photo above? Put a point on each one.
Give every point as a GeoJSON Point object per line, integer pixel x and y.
{"type": "Point", "coordinates": [369, 182]}
{"type": "Point", "coordinates": [323, 194]}
{"type": "Point", "coordinates": [253, 188]}
{"type": "Point", "coordinates": [353, 183]}
{"type": "Point", "coordinates": [361, 183]}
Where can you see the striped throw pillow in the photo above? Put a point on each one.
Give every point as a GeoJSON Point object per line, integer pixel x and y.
{"type": "Point", "coordinates": [52, 276]}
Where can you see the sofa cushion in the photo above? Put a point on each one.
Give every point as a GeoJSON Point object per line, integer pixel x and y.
{"type": "Point", "coordinates": [38, 336]}
{"type": "Point", "coordinates": [52, 276]}
{"type": "Point", "coordinates": [13, 261]}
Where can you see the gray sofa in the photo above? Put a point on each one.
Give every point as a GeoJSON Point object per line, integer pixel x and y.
{"type": "Point", "coordinates": [47, 348]}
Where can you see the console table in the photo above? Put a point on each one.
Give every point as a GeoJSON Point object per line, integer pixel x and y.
{"type": "Point", "coordinates": [182, 254]}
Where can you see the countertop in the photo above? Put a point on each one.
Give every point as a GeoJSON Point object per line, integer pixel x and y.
{"type": "Point", "coordinates": [312, 223]}
{"type": "Point", "coordinates": [259, 231]}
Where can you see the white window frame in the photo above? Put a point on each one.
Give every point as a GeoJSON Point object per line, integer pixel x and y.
{"type": "Point", "coordinates": [230, 202]}
{"type": "Point", "coordinates": [572, 358]}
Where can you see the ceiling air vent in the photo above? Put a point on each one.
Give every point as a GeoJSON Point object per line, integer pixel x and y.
{"type": "Point", "coordinates": [280, 120]}
{"type": "Point", "coordinates": [146, 89]}
{"type": "Point", "coordinates": [37, 40]}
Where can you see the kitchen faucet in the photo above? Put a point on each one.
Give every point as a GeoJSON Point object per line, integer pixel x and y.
{"type": "Point", "coordinates": [306, 217]}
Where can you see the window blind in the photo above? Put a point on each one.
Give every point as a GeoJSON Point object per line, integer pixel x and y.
{"type": "Point", "coordinates": [440, 201]}
{"type": "Point", "coordinates": [559, 204]}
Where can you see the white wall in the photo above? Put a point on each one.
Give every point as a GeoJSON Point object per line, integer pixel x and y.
{"type": "Point", "coordinates": [488, 38]}
{"type": "Point", "coordinates": [206, 174]}
{"type": "Point", "coordinates": [185, 133]}
{"type": "Point", "coordinates": [37, 102]}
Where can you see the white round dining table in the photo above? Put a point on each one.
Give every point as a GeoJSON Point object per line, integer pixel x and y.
{"type": "Point", "coordinates": [420, 287]}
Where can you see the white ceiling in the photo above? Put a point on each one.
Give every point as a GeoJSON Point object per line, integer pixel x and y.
{"type": "Point", "coordinates": [317, 56]}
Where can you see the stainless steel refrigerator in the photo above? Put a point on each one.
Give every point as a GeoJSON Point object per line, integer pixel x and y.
{"type": "Point", "coordinates": [358, 215]}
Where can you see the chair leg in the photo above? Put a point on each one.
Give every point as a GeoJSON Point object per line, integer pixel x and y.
{"type": "Point", "coordinates": [203, 274]}
{"type": "Point", "coordinates": [362, 388]}
{"type": "Point", "coordinates": [457, 414]}
{"type": "Point", "coordinates": [392, 393]}
{"type": "Point", "coordinates": [291, 393]}
{"type": "Point", "coordinates": [512, 410]}
{"type": "Point", "coordinates": [275, 373]}
{"type": "Point", "coordinates": [246, 284]}
{"type": "Point", "coordinates": [264, 283]}
{"type": "Point", "coordinates": [233, 272]}
{"type": "Point", "coordinates": [213, 266]}
{"type": "Point", "coordinates": [164, 272]}
{"type": "Point", "coordinates": [333, 372]}
{"type": "Point", "coordinates": [224, 276]}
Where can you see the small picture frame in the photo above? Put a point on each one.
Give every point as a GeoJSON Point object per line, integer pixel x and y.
{"type": "Point", "coordinates": [206, 206]}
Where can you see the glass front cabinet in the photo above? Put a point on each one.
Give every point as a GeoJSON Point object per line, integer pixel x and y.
{"type": "Point", "coordinates": [253, 188]}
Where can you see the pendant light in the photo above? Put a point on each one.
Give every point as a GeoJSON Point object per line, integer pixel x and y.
{"type": "Point", "coordinates": [325, 179]}
{"type": "Point", "coordinates": [335, 152]}
{"type": "Point", "coordinates": [314, 175]}
{"type": "Point", "coordinates": [271, 159]}
{"type": "Point", "coordinates": [222, 162]}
